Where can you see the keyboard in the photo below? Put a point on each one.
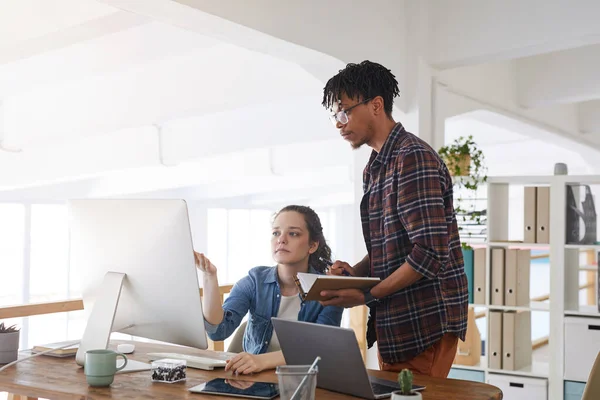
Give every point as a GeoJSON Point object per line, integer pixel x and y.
{"type": "Point", "coordinates": [197, 362]}
{"type": "Point", "coordinates": [382, 389]}
{"type": "Point", "coordinates": [382, 386]}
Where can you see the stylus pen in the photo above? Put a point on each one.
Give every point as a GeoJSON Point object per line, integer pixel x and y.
{"type": "Point", "coordinates": [344, 272]}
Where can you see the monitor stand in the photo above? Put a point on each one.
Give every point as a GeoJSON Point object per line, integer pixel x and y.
{"type": "Point", "coordinates": [99, 324]}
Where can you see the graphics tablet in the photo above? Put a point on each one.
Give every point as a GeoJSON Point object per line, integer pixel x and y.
{"type": "Point", "coordinates": [238, 388]}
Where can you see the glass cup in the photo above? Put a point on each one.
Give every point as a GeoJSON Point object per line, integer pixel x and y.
{"type": "Point", "coordinates": [297, 381]}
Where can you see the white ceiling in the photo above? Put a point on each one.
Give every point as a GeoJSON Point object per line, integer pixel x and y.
{"type": "Point", "coordinates": [156, 95]}
{"type": "Point", "coordinates": [24, 20]}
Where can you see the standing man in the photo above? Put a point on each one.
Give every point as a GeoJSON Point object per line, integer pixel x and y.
{"type": "Point", "coordinates": [419, 309]}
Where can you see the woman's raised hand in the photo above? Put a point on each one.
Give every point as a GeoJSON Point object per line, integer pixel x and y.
{"type": "Point", "coordinates": [204, 264]}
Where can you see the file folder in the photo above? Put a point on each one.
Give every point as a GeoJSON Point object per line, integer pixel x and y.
{"type": "Point", "coordinates": [542, 234]}
{"type": "Point", "coordinates": [469, 351]}
{"type": "Point", "coordinates": [479, 273]}
{"type": "Point", "coordinates": [529, 214]}
{"type": "Point", "coordinates": [495, 337]}
{"type": "Point", "coordinates": [516, 340]}
{"type": "Point", "coordinates": [497, 275]}
{"type": "Point", "coordinates": [516, 277]}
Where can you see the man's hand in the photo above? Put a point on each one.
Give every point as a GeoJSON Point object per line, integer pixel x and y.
{"type": "Point", "coordinates": [244, 363]}
{"type": "Point", "coordinates": [339, 267]}
{"type": "Point", "coordinates": [346, 298]}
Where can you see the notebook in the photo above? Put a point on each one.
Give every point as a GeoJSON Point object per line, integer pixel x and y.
{"type": "Point", "coordinates": [311, 285]}
{"type": "Point", "coordinates": [66, 352]}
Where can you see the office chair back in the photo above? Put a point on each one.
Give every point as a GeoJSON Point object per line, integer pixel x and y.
{"type": "Point", "coordinates": [235, 346]}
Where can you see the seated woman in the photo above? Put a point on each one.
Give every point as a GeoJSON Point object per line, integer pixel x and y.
{"type": "Point", "coordinates": [297, 243]}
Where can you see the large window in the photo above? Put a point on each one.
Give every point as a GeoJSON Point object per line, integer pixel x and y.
{"type": "Point", "coordinates": [49, 276]}
{"type": "Point", "coordinates": [12, 237]}
{"type": "Point", "coordinates": [238, 240]}
{"type": "Point", "coordinates": [34, 255]}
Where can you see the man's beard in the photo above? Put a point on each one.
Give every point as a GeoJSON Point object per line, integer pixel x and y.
{"type": "Point", "coordinates": [359, 144]}
{"type": "Point", "coordinates": [364, 140]}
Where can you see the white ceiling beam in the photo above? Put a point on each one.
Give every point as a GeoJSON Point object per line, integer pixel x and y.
{"type": "Point", "coordinates": [157, 92]}
{"type": "Point", "coordinates": [106, 54]}
{"type": "Point", "coordinates": [492, 87]}
{"type": "Point", "coordinates": [81, 159]}
{"type": "Point", "coordinates": [327, 179]}
{"type": "Point", "coordinates": [194, 17]}
{"type": "Point", "coordinates": [568, 76]}
{"type": "Point", "coordinates": [252, 127]}
{"type": "Point", "coordinates": [469, 32]}
{"type": "Point", "coordinates": [105, 168]}
{"type": "Point", "coordinates": [581, 144]}
{"type": "Point", "coordinates": [279, 29]}
{"type": "Point", "coordinates": [589, 117]}
{"type": "Point", "coordinates": [87, 30]}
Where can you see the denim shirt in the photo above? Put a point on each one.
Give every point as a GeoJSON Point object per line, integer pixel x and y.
{"type": "Point", "coordinates": [259, 293]}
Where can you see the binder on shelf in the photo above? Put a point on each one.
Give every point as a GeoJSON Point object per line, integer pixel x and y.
{"type": "Point", "coordinates": [468, 261]}
{"type": "Point", "coordinates": [495, 338]}
{"type": "Point", "coordinates": [311, 285]}
{"type": "Point", "coordinates": [542, 234]}
{"type": "Point", "coordinates": [516, 340]}
{"type": "Point", "coordinates": [575, 216]}
{"type": "Point", "coordinates": [497, 275]}
{"type": "Point", "coordinates": [529, 214]}
{"type": "Point", "coordinates": [479, 267]}
{"type": "Point", "coordinates": [516, 277]}
{"type": "Point", "coordinates": [469, 351]}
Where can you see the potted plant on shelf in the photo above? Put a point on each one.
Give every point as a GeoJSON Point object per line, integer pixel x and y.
{"type": "Point", "coordinates": [9, 343]}
{"type": "Point", "coordinates": [466, 163]}
{"type": "Point", "coordinates": [405, 380]}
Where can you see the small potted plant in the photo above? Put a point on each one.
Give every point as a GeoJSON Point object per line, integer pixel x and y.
{"type": "Point", "coordinates": [9, 343]}
{"type": "Point", "coordinates": [405, 380]}
{"type": "Point", "coordinates": [466, 163]}
{"type": "Point", "coordinates": [461, 156]}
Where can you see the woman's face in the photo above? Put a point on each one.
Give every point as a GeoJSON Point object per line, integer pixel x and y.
{"type": "Point", "coordinates": [290, 243]}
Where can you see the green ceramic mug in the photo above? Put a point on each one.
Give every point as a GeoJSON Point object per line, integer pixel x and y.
{"type": "Point", "coordinates": [101, 365]}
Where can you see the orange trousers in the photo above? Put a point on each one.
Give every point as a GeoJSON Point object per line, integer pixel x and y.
{"type": "Point", "coordinates": [435, 361]}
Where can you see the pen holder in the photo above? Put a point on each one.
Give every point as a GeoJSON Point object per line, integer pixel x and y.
{"type": "Point", "coordinates": [297, 381]}
{"type": "Point", "coordinates": [168, 370]}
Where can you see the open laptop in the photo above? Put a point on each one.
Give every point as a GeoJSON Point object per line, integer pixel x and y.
{"type": "Point", "coordinates": [341, 368]}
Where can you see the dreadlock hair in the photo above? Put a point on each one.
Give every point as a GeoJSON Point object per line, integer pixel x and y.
{"type": "Point", "coordinates": [362, 81]}
{"type": "Point", "coordinates": [315, 234]}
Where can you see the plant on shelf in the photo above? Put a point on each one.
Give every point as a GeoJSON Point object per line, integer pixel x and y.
{"type": "Point", "coordinates": [466, 164]}
{"type": "Point", "coordinates": [405, 380]}
{"type": "Point", "coordinates": [9, 343]}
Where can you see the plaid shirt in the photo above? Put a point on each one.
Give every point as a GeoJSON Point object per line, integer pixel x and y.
{"type": "Point", "coordinates": [408, 216]}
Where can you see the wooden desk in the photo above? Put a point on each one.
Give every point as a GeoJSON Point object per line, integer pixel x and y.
{"type": "Point", "coordinates": [60, 378]}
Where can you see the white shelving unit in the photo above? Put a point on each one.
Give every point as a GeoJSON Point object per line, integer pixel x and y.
{"type": "Point", "coordinates": [548, 361]}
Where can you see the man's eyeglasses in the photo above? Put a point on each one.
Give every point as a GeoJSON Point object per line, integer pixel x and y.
{"type": "Point", "coordinates": [342, 115]}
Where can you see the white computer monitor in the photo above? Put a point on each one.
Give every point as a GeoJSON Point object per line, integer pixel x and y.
{"type": "Point", "coordinates": [136, 264]}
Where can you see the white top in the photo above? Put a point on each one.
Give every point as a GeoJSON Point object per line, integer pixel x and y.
{"type": "Point", "coordinates": [288, 309]}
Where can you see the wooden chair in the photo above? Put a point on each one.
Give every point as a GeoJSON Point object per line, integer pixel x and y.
{"type": "Point", "coordinates": [592, 387]}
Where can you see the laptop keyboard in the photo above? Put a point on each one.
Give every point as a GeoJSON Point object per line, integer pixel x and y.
{"type": "Point", "coordinates": [382, 386]}
{"type": "Point", "coordinates": [382, 389]}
